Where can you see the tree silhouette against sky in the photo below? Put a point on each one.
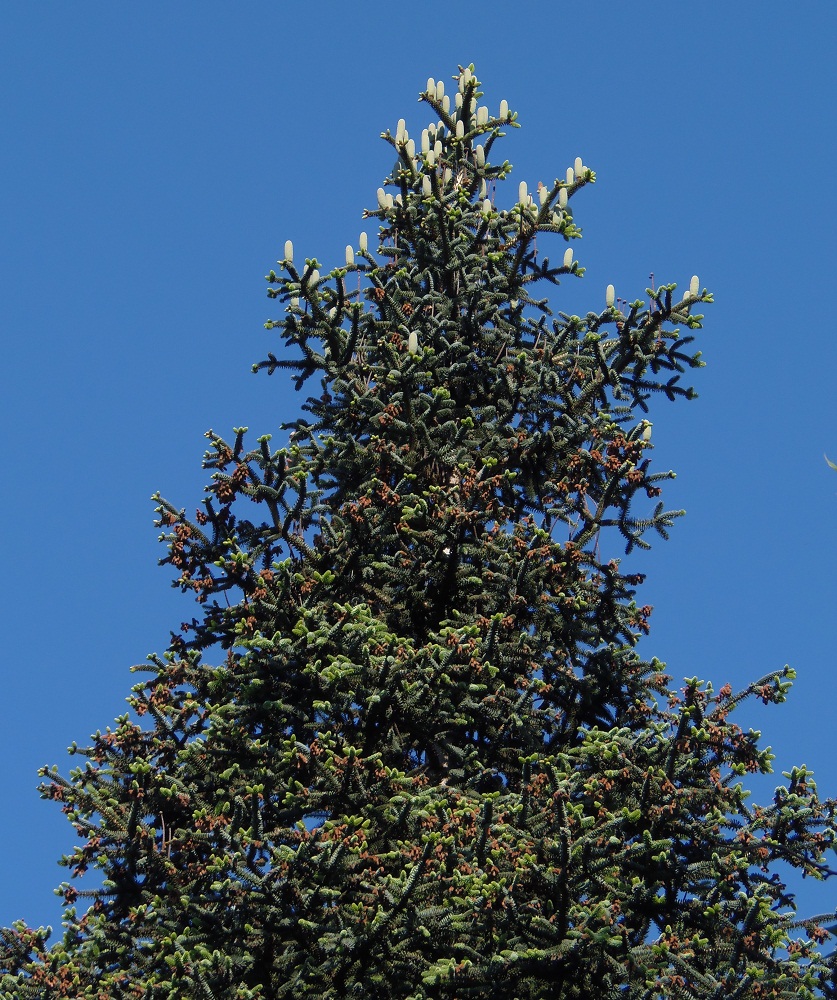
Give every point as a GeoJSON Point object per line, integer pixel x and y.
{"type": "Point", "coordinates": [427, 759]}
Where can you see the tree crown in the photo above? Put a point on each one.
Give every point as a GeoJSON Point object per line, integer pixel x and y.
{"type": "Point", "coordinates": [432, 762]}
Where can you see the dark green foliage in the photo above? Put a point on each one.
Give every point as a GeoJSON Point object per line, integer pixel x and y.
{"type": "Point", "coordinates": [431, 761]}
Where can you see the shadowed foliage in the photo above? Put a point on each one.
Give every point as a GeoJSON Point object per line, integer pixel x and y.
{"type": "Point", "coordinates": [408, 747]}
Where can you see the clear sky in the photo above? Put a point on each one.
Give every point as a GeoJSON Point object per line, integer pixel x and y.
{"type": "Point", "coordinates": [155, 157]}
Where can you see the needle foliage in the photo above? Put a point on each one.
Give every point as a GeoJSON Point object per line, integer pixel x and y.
{"type": "Point", "coordinates": [408, 746]}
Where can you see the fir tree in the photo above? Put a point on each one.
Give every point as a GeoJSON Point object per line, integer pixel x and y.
{"type": "Point", "coordinates": [427, 758]}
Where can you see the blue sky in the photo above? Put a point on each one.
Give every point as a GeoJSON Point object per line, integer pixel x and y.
{"type": "Point", "coordinates": [156, 157]}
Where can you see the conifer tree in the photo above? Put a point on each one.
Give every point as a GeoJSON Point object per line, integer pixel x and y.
{"type": "Point", "coordinates": [408, 745]}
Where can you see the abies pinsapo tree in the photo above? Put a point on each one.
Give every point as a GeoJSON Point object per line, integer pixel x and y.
{"type": "Point", "coordinates": [426, 759]}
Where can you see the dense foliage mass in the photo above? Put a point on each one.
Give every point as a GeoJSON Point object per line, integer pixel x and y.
{"type": "Point", "coordinates": [429, 760]}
